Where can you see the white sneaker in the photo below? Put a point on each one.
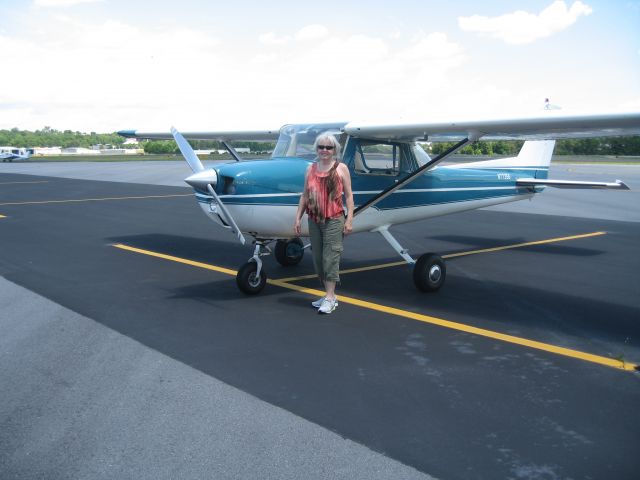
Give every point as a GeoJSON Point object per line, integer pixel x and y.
{"type": "Point", "coordinates": [328, 306]}
{"type": "Point", "coordinates": [318, 303]}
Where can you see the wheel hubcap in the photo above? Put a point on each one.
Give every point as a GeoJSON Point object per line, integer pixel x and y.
{"type": "Point", "coordinates": [435, 273]}
{"type": "Point", "coordinates": [293, 250]}
{"type": "Point", "coordinates": [254, 280]}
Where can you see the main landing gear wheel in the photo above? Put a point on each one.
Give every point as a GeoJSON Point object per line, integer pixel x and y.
{"type": "Point", "coordinates": [429, 272]}
{"type": "Point", "coordinates": [248, 281]}
{"type": "Point", "coordinates": [289, 252]}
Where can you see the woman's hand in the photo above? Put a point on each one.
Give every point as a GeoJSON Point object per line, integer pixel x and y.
{"type": "Point", "coordinates": [296, 227]}
{"type": "Point", "coordinates": [348, 227]}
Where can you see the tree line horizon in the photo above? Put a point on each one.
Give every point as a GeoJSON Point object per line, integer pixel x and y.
{"type": "Point", "coordinates": [49, 137]}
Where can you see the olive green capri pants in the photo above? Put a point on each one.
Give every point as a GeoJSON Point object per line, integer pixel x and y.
{"type": "Point", "coordinates": [326, 244]}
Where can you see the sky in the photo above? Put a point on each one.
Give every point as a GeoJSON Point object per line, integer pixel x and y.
{"type": "Point", "coordinates": [108, 65]}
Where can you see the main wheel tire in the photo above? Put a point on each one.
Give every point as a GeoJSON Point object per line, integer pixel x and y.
{"type": "Point", "coordinates": [247, 280]}
{"type": "Point", "coordinates": [429, 272]}
{"type": "Point", "coordinates": [289, 252]}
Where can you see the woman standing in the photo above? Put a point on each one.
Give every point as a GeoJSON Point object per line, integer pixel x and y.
{"type": "Point", "coordinates": [325, 182]}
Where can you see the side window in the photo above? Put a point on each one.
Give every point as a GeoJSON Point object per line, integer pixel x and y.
{"type": "Point", "coordinates": [380, 158]}
{"type": "Point", "coordinates": [375, 158]}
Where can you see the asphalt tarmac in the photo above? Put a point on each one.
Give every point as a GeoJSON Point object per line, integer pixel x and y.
{"type": "Point", "coordinates": [128, 352]}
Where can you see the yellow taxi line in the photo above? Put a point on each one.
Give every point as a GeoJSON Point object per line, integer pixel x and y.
{"type": "Point", "coordinates": [95, 199]}
{"type": "Point", "coordinates": [526, 244]}
{"type": "Point", "coordinates": [176, 259]}
{"type": "Point", "coordinates": [609, 362]}
{"type": "Point", "coordinates": [453, 255]}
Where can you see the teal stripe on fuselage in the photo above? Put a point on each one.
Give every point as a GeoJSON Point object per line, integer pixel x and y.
{"type": "Point", "coordinates": [278, 182]}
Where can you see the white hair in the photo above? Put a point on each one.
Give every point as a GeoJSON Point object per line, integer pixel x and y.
{"type": "Point", "coordinates": [336, 145]}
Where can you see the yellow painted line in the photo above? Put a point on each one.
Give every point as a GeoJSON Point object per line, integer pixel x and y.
{"type": "Point", "coordinates": [16, 183]}
{"type": "Point", "coordinates": [453, 255]}
{"type": "Point", "coordinates": [526, 244]}
{"type": "Point", "coordinates": [177, 259]}
{"type": "Point", "coordinates": [95, 199]}
{"type": "Point", "coordinates": [3, 216]}
{"type": "Point", "coordinates": [344, 272]}
{"type": "Point", "coordinates": [609, 362]}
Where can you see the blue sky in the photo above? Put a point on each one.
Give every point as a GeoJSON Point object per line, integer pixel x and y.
{"type": "Point", "coordinates": [105, 65]}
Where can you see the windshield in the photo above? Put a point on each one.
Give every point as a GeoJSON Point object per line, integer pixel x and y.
{"type": "Point", "coordinates": [297, 140]}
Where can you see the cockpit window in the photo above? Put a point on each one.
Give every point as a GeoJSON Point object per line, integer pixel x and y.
{"type": "Point", "coordinates": [377, 158]}
{"type": "Point", "coordinates": [297, 140]}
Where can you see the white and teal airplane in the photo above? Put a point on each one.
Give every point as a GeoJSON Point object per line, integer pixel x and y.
{"type": "Point", "coordinates": [9, 154]}
{"type": "Point", "coordinates": [394, 180]}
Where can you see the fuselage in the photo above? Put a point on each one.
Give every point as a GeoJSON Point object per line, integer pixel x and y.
{"type": "Point", "coordinates": [263, 195]}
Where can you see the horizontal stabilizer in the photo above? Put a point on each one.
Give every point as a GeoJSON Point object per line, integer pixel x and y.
{"type": "Point", "coordinates": [534, 182]}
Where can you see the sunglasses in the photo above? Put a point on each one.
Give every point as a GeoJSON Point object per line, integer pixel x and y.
{"type": "Point", "coordinates": [325, 147]}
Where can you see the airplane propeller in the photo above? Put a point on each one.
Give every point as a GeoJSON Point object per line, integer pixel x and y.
{"type": "Point", "coordinates": [205, 179]}
{"type": "Point", "coordinates": [187, 152]}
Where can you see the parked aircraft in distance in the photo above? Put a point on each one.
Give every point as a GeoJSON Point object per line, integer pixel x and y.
{"type": "Point", "coordinates": [394, 180]}
{"type": "Point", "coordinates": [9, 154]}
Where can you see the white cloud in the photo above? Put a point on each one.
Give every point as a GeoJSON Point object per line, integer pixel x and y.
{"type": "Point", "coordinates": [91, 76]}
{"type": "Point", "coordinates": [312, 32]}
{"type": "Point", "coordinates": [108, 75]}
{"type": "Point", "coordinates": [522, 27]}
{"type": "Point", "coordinates": [433, 47]}
{"type": "Point", "coordinates": [264, 58]}
{"type": "Point", "coordinates": [272, 39]}
{"type": "Point", "coordinates": [62, 3]}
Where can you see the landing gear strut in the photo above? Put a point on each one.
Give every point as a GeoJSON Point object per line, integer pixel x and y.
{"type": "Point", "coordinates": [429, 272]}
{"type": "Point", "coordinates": [252, 278]}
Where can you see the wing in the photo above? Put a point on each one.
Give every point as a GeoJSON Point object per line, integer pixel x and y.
{"type": "Point", "coordinates": [246, 135]}
{"type": "Point", "coordinates": [551, 125]}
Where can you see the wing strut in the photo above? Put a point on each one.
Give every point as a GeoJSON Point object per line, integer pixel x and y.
{"type": "Point", "coordinates": [231, 150]}
{"type": "Point", "coordinates": [413, 175]}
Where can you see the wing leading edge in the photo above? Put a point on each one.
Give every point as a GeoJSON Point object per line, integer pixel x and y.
{"type": "Point", "coordinates": [551, 125]}
{"type": "Point", "coordinates": [228, 136]}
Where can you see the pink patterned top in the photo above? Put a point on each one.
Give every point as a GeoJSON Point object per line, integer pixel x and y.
{"type": "Point", "coordinates": [319, 205]}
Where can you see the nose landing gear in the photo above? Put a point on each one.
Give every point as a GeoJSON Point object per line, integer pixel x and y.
{"type": "Point", "coordinates": [252, 277]}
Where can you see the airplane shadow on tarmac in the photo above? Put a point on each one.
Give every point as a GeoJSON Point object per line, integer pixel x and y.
{"type": "Point", "coordinates": [524, 298]}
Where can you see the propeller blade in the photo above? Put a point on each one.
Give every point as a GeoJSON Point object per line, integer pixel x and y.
{"type": "Point", "coordinates": [205, 180]}
{"type": "Point", "coordinates": [187, 152]}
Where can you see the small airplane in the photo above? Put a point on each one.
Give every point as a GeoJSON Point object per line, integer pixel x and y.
{"type": "Point", "coordinates": [9, 154]}
{"type": "Point", "coordinates": [394, 180]}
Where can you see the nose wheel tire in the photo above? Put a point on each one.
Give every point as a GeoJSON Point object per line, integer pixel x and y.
{"type": "Point", "coordinates": [429, 272]}
{"type": "Point", "coordinates": [247, 280]}
{"type": "Point", "coordinates": [289, 252]}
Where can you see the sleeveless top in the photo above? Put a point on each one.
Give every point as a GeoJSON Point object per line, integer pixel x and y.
{"type": "Point", "coordinates": [319, 205]}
